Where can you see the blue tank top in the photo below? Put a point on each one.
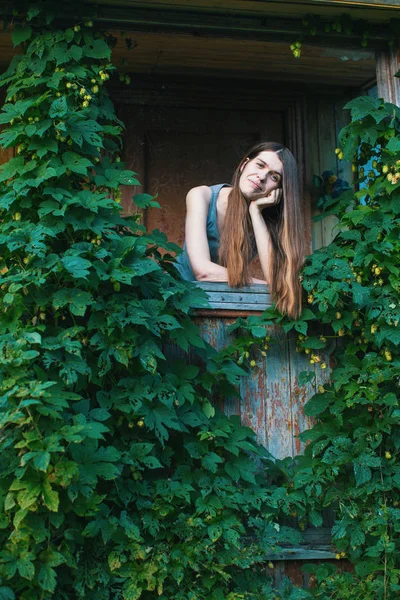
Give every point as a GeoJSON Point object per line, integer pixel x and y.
{"type": "Point", "coordinates": [183, 264]}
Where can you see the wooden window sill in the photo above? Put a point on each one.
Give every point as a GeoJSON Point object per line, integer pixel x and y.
{"type": "Point", "coordinates": [233, 302]}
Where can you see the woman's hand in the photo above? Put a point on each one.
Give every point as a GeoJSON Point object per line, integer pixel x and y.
{"type": "Point", "coordinates": [272, 199]}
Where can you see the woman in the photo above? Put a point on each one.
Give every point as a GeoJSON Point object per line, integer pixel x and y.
{"type": "Point", "coordinates": [226, 226]}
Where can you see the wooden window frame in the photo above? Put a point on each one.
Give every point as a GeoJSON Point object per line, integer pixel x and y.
{"type": "Point", "coordinates": [233, 302]}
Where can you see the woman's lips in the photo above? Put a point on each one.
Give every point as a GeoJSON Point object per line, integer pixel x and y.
{"type": "Point", "coordinates": [255, 185]}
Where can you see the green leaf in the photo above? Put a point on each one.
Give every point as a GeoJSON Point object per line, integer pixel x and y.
{"type": "Point", "coordinates": [85, 129]}
{"type": "Point", "coordinates": [305, 377]}
{"type": "Point", "coordinates": [152, 462]}
{"type": "Point", "coordinates": [19, 517]}
{"type": "Point", "coordinates": [6, 593]}
{"type": "Point", "coordinates": [24, 565]}
{"type": "Point", "coordinates": [357, 537]}
{"type": "Point", "coordinates": [58, 108]}
{"type": "Point", "coordinates": [76, 299]}
{"type": "Point", "coordinates": [361, 106]}
{"type": "Point", "coordinates": [43, 146]}
{"type": "Point", "coordinates": [208, 409]}
{"type": "Point", "coordinates": [258, 331]}
{"type": "Point", "coordinates": [145, 201]}
{"type": "Point", "coordinates": [214, 532]}
{"type": "Point", "coordinates": [362, 473]}
{"type": "Point", "coordinates": [78, 267]}
{"type": "Point", "coordinates": [75, 53]}
{"type": "Point", "coordinates": [301, 327]}
{"type": "Point", "coordinates": [131, 530]}
{"type": "Point", "coordinates": [41, 461]}
{"type": "Point", "coordinates": [211, 461]}
{"type": "Point", "coordinates": [131, 590]}
{"type": "Point", "coordinates": [50, 496]}
{"type": "Point", "coordinates": [32, 12]}
{"type": "Point", "coordinates": [99, 414]}
{"type": "Point", "coordinates": [315, 518]}
{"type": "Point", "coordinates": [47, 578]}
{"type": "Point", "coordinates": [317, 405]}
{"type": "Point", "coordinates": [97, 49]}
{"type": "Point", "coordinates": [76, 163]}
{"type": "Point", "coordinates": [393, 145]}
{"type": "Point", "coordinates": [11, 168]}
{"type": "Point", "coordinates": [20, 34]}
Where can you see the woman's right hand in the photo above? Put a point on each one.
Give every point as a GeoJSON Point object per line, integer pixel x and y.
{"type": "Point", "coordinates": [272, 199]}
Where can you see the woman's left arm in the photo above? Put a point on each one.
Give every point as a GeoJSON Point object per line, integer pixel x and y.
{"type": "Point", "coordinates": [261, 233]}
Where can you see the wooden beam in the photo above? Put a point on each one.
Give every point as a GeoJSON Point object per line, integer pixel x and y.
{"type": "Point", "coordinates": [238, 26]}
{"type": "Point", "coordinates": [387, 65]}
{"type": "Point", "coordinates": [371, 10]}
{"type": "Point", "coordinates": [359, 3]}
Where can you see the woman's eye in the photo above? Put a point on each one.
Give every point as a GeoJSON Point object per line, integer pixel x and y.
{"type": "Point", "coordinates": [275, 178]}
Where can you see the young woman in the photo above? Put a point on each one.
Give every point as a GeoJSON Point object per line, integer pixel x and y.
{"type": "Point", "coordinates": [260, 213]}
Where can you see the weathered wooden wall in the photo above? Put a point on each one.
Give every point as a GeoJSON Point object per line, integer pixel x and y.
{"type": "Point", "coordinates": [271, 399]}
{"type": "Point", "coordinates": [325, 118]}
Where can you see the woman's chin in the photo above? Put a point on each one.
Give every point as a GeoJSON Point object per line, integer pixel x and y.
{"type": "Point", "coordinates": [250, 195]}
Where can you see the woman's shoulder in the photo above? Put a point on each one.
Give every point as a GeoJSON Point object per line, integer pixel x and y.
{"type": "Point", "coordinates": [200, 193]}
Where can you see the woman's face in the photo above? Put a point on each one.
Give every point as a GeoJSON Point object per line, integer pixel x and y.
{"type": "Point", "coordinates": [260, 175]}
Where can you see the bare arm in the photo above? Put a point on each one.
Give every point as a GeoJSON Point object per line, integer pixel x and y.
{"type": "Point", "coordinates": [261, 233]}
{"type": "Point", "coordinates": [197, 204]}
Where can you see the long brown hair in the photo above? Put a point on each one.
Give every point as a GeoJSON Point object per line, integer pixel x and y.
{"type": "Point", "coordinates": [285, 226]}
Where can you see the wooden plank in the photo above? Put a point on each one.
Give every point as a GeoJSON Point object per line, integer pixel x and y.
{"type": "Point", "coordinates": [223, 297]}
{"type": "Point", "coordinates": [160, 53]}
{"type": "Point", "coordinates": [313, 166]}
{"type": "Point", "coordinates": [299, 362]}
{"type": "Point", "coordinates": [278, 573]}
{"type": "Point", "coordinates": [284, 24]}
{"type": "Point", "coordinates": [362, 8]}
{"type": "Point", "coordinates": [327, 158]}
{"type": "Point", "coordinates": [277, 396]}
{"type": "Point", "coordinates": [387, 64]}
{"type": "Point", "coordinates": [299, 553]}
{"type": "Point", "coordinates": [238, 306]}
{"type": "Point", "coordinates": [220, 286]}
{"type": "Point", "coordinates": [326, 118]}
{"type": "Point", "coordinates": [343, 118]}
{"type": "Point", "coordinates": [253, 407]}
{"type": "Point", "coordinates": [218, 313]}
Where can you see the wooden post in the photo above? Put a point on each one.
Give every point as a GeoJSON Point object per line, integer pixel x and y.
{"type": "Point", "coordinates": [387, 65]}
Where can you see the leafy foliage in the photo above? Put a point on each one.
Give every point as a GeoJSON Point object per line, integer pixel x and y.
{"type": "Point", "coordinates": [351, 463]}
{"type": "Point", "coordinates": [118, 477]}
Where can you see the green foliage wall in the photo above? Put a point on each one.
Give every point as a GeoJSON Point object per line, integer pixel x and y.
{"type": "Point", "coordinates": [118, 480]}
